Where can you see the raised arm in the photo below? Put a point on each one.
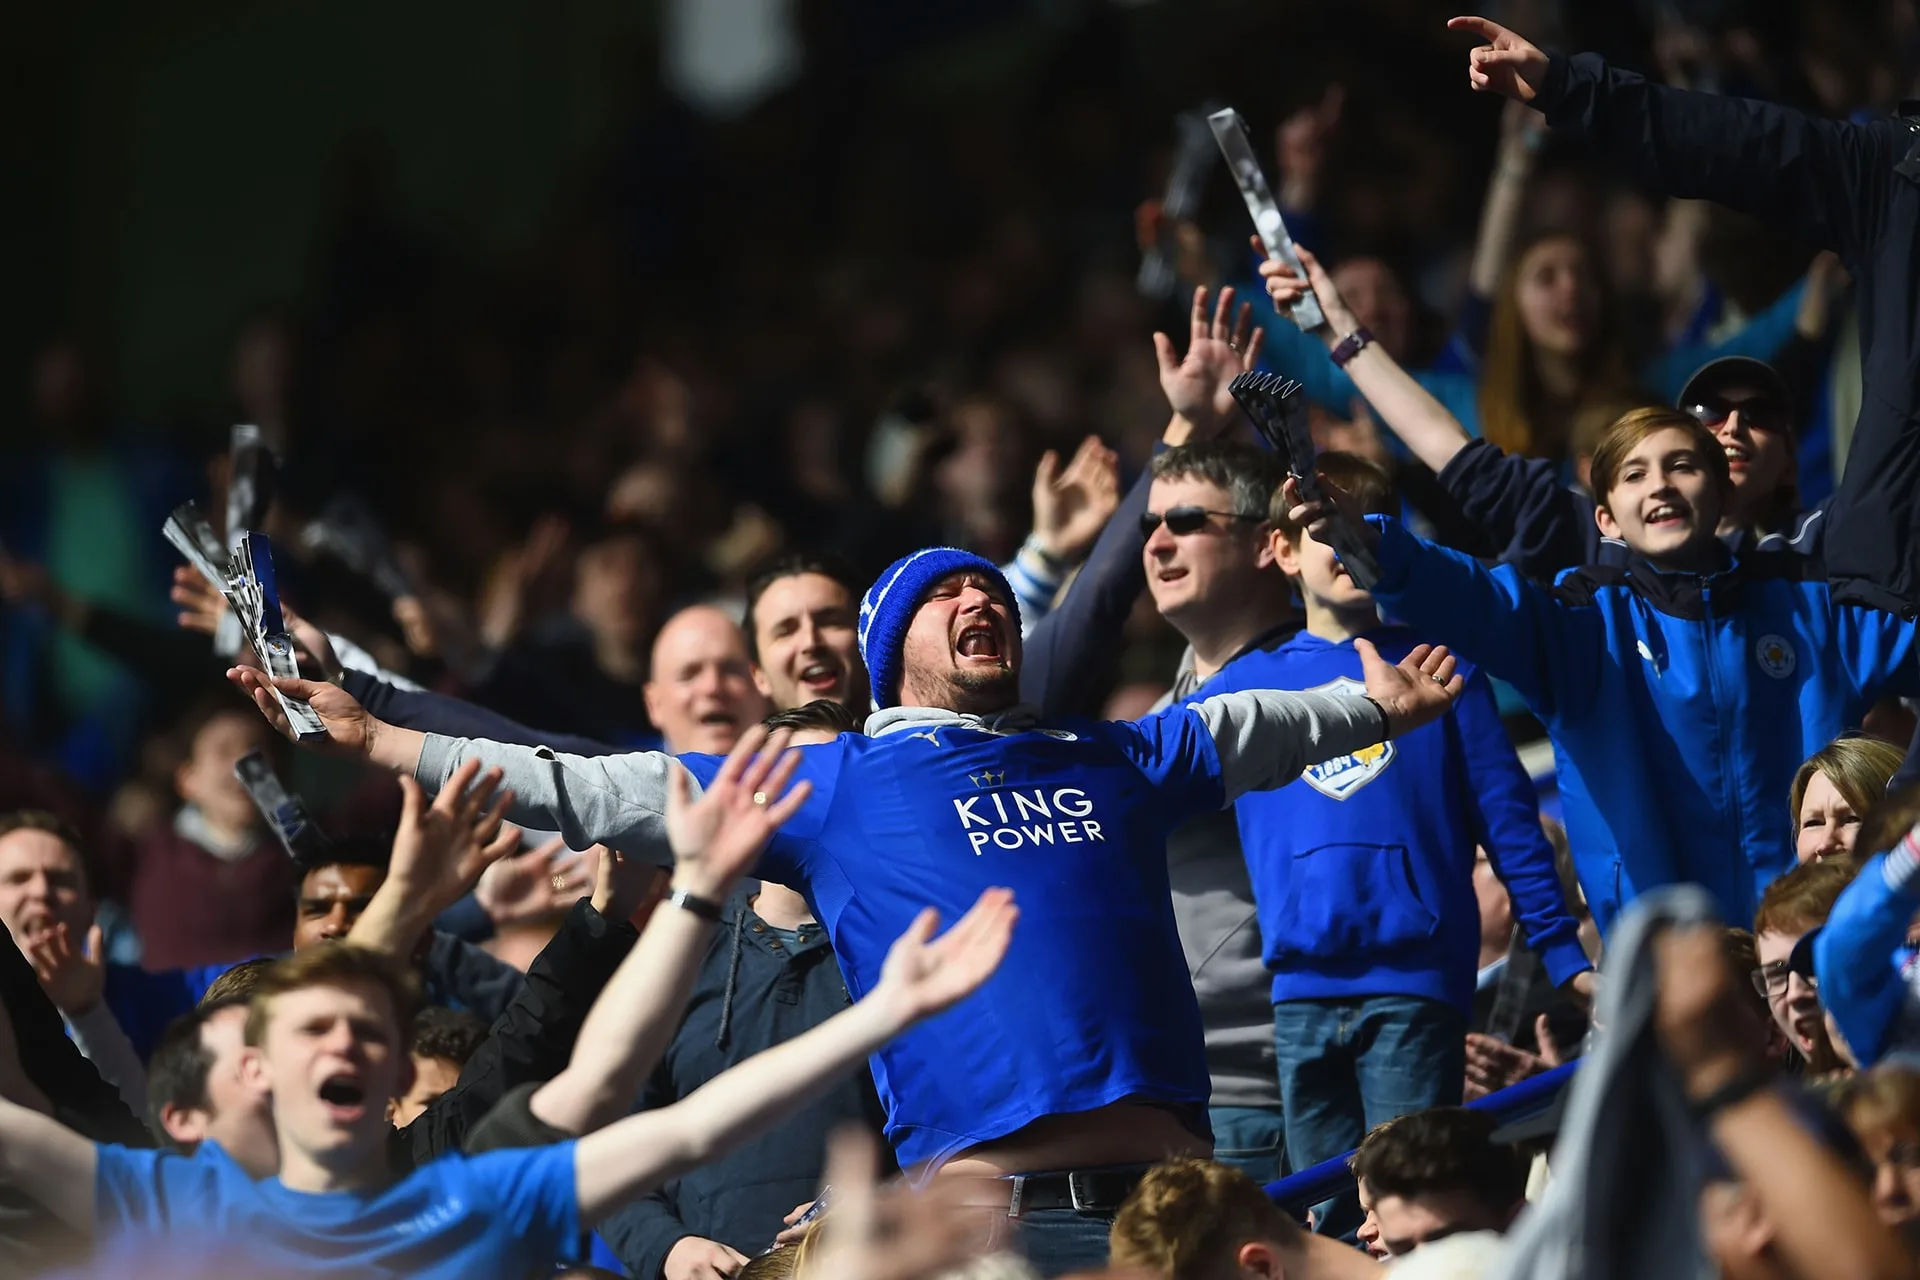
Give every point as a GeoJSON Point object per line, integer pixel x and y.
{"type": "Point", "coordinates": [922, 976]}
{"type": "Point", "coordinates": [1070, 507]}
{"type": "Point", "coordinates": [1521, 133]}
{"type": "Point", "coordinates": [1063, 652]}
{"type": "Point", "coordinates": [1513, 629]}
{"type": "Point", "coordinates": [613, 800]}
{"type": "Point", "coordinates": [1860, 984]}
{"type": "Point", "coordinates": [1409, 409]}
{"type": "Point", "coordinates": [715, 840]}
{"type": "Point", "coordinates": [1520, 504]}
{"type": "Point", "coordinates": [1823, 180]}
{"type": "Point", "coordinates": [450, 717]}
{"type": "Point", "coordinates": [438, 853]}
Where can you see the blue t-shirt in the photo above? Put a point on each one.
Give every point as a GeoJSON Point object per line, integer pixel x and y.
{"type": "Point", "coordinates": [1092, 1004]}
{"type": "Point", "coordinates": [506, 1213]}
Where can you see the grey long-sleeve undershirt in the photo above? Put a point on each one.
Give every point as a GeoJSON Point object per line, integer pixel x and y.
{"type": "Point", "coordinates": [1264, 739]}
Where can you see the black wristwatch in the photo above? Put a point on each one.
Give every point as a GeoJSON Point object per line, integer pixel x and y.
{"type": "Point", "coordinates": [705, 908]}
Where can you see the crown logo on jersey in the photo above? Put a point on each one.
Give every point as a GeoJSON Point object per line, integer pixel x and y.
{"type": "Point", "coordinates": [988, 778]}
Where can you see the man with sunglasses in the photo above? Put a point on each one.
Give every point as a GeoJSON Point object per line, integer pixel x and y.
{"type": "Point", "coordinates": [1204, 546]}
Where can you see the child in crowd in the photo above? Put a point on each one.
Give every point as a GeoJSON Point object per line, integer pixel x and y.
{"type": "Point", "coordinates": [1792, 910]}
{"type": "Point", "coordinates": [1681, 688]}
{"type": "Point", "coordinates": [212, 886]}
{"type": "Point", "coordinates": [1363, 870]}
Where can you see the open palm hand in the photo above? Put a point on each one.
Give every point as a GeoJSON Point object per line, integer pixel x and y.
{"type": "Point", "coordinates": [928, 974]}
{"type": "Point", "coordinates": [717, 838]}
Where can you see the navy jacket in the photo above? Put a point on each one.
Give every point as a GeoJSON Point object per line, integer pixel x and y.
{"type": "Point", "coordinates": [1523, 505]}
{"type": "Point", "coordinates": [1852, 188]}
{"type": "Point", "coordinates": [1679, 705]}
{"type": "Point", "coordinates": [437, 713]}
{"type": "Point", "coordinates": [754, 991]}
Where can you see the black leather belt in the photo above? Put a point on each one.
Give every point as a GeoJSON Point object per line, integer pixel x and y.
{"type": "Point", "coordinates": [1085, 1190]}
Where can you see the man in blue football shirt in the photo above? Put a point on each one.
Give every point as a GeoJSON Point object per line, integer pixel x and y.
{"type": "Point", "coordinates": [327, 1032]}
{"type": "Point", "coordinates": [1082, 1064]}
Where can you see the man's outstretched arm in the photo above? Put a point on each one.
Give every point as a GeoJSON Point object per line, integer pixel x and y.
{"type": "Point", "coordinates": [922, 976]}
{"type": "Point", "coordinates": [1825, 181]}
{"type": "Point", "coordinates": [618, 801]}
{"type": "Point", "coordinates": [1264, 738]}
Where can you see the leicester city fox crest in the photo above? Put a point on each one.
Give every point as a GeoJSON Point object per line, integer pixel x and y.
{"type": "Point", "coordinates": [1341, 776]}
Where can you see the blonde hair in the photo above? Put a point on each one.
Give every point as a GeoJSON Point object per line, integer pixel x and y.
{"type": "Point", "coordinates": [1188, 1219]}
{"type": "Point", "coordinates": [1859, 769]}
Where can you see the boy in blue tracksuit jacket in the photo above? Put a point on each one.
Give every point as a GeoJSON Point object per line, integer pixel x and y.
{"type": "Point", "coordinates": [1362, 870]}
{"type": "Point", "coordinates": [1682, 688]}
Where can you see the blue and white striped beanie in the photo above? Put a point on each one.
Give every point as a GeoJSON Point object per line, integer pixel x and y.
{"type": "Point", "coordinates": [886, 611]}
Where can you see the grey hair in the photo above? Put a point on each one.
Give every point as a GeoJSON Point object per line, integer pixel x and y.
{"type": "Point", "coordinates": [1249, 475]}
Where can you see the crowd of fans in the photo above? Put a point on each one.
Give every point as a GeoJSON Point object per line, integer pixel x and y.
{"type": "Point", "coordinates": [849, 799]}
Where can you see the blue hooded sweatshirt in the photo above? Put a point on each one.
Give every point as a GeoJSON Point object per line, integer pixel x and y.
{"type": "Point", "coordinates": [1679, 704]}
{"type": "Point", "coordinates": [1363, 870]}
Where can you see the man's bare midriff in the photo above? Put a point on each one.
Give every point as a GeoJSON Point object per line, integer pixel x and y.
{"type": "Point", "coordinates": [1122, 1133]}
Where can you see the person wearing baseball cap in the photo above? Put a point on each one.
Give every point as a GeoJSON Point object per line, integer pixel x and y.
{"type": "Point", "coordinates": [1750, 408]}
{"type": "Point", "coordinates": [955, 790]}
{"type": "Point", "coordinates": [1523, 506]}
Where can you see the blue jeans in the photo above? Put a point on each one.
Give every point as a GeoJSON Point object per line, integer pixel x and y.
{"type": "Point", "coordinates": [1348, 1065]}
{"type": "Point", "coordinates": [1251, 1139]}
{"type": "Point", "coordinates": [1057, 1241]}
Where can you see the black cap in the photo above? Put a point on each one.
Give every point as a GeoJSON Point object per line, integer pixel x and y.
{"type": "Point", "coordinates": [1736, 371]}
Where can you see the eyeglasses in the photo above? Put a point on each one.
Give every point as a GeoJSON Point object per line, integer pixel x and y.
{"type": "Point", "coordinates": [1181, 521]}
{"type": "Point", "coordinates": [1770, 980]}
{"type": "Point", "coordinates": [1763, 412]}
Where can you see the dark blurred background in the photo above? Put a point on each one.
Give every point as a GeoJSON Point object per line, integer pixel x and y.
{"type": "Point", "coordinates": [755, 274]}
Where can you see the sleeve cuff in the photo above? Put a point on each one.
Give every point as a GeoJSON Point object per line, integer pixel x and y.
{"type": "Point", "coordinates": [1565, 960]}
{"type": "Point", "coordinates": [1901, 869]}
{"type": "Point", "coordinates": [1553, 93]}
{"type": "Point", "coordinates": [438, 757]}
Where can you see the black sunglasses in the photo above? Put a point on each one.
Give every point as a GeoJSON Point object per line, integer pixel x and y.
{"type": "Point", "coordinates": [1763, 412]}
{"type": "Point", "coordinates": [1184, 520]}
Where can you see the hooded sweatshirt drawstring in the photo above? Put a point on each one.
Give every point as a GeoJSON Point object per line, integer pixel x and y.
{"type": "Point", "coordinates": [733, 979]}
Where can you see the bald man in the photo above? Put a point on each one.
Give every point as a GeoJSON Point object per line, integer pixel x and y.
{"type": "Point", "coordinates": [700, 690]}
